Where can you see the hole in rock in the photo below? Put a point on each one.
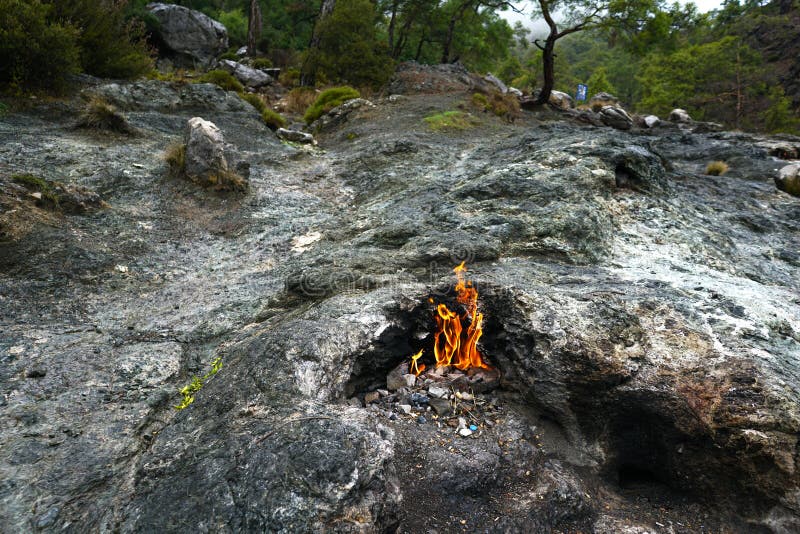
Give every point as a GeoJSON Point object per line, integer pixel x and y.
{"type": "Point", "coordinates": [623, 176]}
{"type": "Point", "coordinates": [633, 476]}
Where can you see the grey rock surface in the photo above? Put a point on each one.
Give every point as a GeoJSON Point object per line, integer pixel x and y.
{"type": "Point", "coordinates": [603, 99]}
{"type": "Point", "coordinates": [644, 316]}
{"type": "Point", "coordinates": [295, 136]}
{"type": "Point", "coordinates": [192, 37]}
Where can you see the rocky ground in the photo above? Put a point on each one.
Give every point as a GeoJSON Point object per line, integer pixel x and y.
{"type": "Point", "coordinates": [644, 316]}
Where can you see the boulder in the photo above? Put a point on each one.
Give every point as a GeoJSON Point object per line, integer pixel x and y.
{"type": "Point", "coordinates": [560, 100]}
{"type": "Point", "coordinates": [651, 121]}
{"type": "Point", "coordinates": [679, 115]}
{"type": "Point", "coordinates": [496, 82]}
{"type": "Point", "coordinates": [190, 36]}
{"type": "Point", "coordinates": [205, 158]}
{"type": "Point", "coordinates": [411, 77]}
{"type": "Point", "coordinates": [339, 114]}
{"type": "Point", "coordinates": [516, 92]}
{"type": "Point", "coordinates": [295, 136]}
{"type": "Point", "coordinates": [603, 99]}
{"type": "Point", "coordinates": [616, 117]}
{"type": "Point", "coordinates": [169, 97]}
{"type": "Point", "coordinates": [788, 179]}
{"type": "Point", "coordinates": [249, 76]}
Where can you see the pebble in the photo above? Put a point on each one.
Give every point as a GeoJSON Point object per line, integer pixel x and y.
{"type": "Point", "coordinates": [465, 432]}
{"type": "Point", "coordinates": [410, 380]}
{"type": "Point", "coordinates": [417, 398]}
{"type": "Point", "coordinates": [421, 420]}
{"type": "Point", "coordinates": [383, 392]}
{"type": "Point", "coordinates": [16, 350]}
{"type": "Point", "coordinates": [435, 391]}
{"type": "Point", "coordinates": [473, 428]}
{"type": "Point", "coordinates": [463, 395]}
{"type": "Point", "coordinates": [405, 408]}
{"type": "Point", "coordinates": [371, 397]}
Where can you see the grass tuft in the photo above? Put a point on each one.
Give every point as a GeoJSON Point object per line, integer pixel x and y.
{"type": "Point", "coordinates": [717, 168]}
{"type": "Point", "coordinates": [101, 115]}
{"type": "Point", "coordinates": [175, 156]}
{"type": "Point", "coordinates": [40, 185]}
{"type": "Point", "coordinates": [329, 99]}
{"type": "Point", "coordinates": [273, 119]}
{"type": "Point", "coordinates": [255, 101]}
{"type": "Point", "coordinates": [504, 106]}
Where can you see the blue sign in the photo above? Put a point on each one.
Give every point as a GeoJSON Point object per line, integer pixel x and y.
{"type": "Point", "coordinates": [581, 94]}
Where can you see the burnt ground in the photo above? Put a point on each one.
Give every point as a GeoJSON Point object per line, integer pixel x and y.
{"type": "Point", "coordinates": [647, 331]}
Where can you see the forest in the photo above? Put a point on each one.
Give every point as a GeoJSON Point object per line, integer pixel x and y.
{"type": "Point", "coordinates": [737, 65]}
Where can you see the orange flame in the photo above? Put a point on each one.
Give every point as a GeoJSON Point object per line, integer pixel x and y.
{"type": "Point", "coordinates": [451, 345]}
{"type": "Point", "coordinates": [416, 368]}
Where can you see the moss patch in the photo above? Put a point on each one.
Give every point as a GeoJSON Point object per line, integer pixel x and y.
{"type": "Point", "coordinates": [222, 79]}
{"type": "Point", "coordinates": [255, 101]}
{"type": "Point", "coordinates": [450, 120]}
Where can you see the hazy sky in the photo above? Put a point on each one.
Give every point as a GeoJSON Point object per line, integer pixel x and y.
{"type": "Point", "coordinates": [703, 5]}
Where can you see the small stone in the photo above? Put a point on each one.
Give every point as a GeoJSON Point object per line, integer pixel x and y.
{"type": "Point", "coordinates": [441, 406]}
{"type": "Point", "coordinates": [465, 432]}
{"type": "Point", "coordinates": [395, 379]}
{"type": "Point", "coordinates": [421, 420]}
{"type": "Point", "coordinates": [437, 392]}
{"type": "Point", "coordinates": [392, 416]}
{"type": "Point", "coordinates": [473, 428]}
{"type": "Point", "coordinates": [371, 397]}
{"type": "Point", "coordinates": [383, 393]}
{"type": "Point", "coordinates": [121, 268]}
{"type": "Point", "coordinates": [463, 395]}
{"type": "Point", "coordinates": [417, 398]}
{"type": "Point", "coordinates": [37, 195]}
{"type": "Point", "coordinates": [16, 350]}
{"type": "Point", "coordinates": [294, 136]}
{"type": "Point", "coordinates": [462, 423]}
{"type": "Point", "coordinates": [410, 380]}
{"type": "Point", "coordinates": [404, 408]}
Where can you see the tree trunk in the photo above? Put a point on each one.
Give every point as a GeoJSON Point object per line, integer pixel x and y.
{"type": "Point", "coordinates": [253, 28]}
{"type": "Point", "coordinates": [308, 72]}
{"type": "Point", "coordinates": [548, 68]}
{"type": "Point", "coordinates": [392, 22]}
{"type": "Point", "coordinates": [451, 30]}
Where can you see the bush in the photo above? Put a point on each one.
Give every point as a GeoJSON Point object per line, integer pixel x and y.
{"type": "Point", "coordinates": [716, 168]}
{"type": "Point", "coordinates": [100, 115]}
{"type": "Point", "coordinates": [255, 101]}
{"type": "Point", "coordinates": [289, 77]}
{"type": "Point", "coordinates": [450, 120]}
{"type": "Point", "coordinates": [262, 63]}
{"type": "Point", "coordinates": [274, 120]}
{"type": "Point", "coordinates": [230, 55]}
{"type": "Point", "coordinates": [504, 106]}
{"type": "Point", "coordinates": [223, 79]}
{"type": "Point", "coordinates": [299, 99]}
{"type": "Point", "coordinates": [110, 46]}
{"type": "Point", "coordinates": [235, 22]}
{"type": "Point", "coordinates": [328, 100]}
{"type": "Point", "coordinates": [36, 51]}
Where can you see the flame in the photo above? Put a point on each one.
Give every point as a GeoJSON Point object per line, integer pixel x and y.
{"type": "Point", "coordinates": [453, 346]}
{"type": "Point", "coordinates": [416, 368]}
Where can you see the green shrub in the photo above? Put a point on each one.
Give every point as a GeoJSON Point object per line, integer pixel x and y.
{"type": "Point", "coordinates": [504, 106]}
{"type": "Point", "coordinates": [110, 46]}
{"type": "Point", "coordinates": [289, 77]}
{"type": "Point", "coordinates": [230, 55]}
{"type": "Point", "coordinates": [35, 183]}
{"type": "Point", "coordinates": [450, 120]}
{"type": "Point", "coordinates": [716, 168]}
{"type": "Point", "coordinates": [235, 22]}
{"type": "Point", "coordinates": [262, 63]}
{"type": "Point", "coordinates": [223, 79]}
{"type": "Point", "coordinates": [480, 100]}
{"type": "Point", "coordinates": [274, 120]}
{"type": "Point", "coordinates": [328, 100]}
{"type": "Point", "coordinates": [255, 101]}
{"type": "Point", "coordinates": [101, 115]}
{"type": "Point", "coordinates": [36, 51]}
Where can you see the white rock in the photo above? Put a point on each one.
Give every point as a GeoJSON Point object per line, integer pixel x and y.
{"type": "Point", "coordinates": [679, 115]}
{"type": "Point", "coordinates": [465, 432]}
{"type": "Point", "coordinates": [651, 121]}
{"type": "Point", "coordinates": [411, 380]}
{"type": "Point", "coordinates": [405, 408]}
{"type": "Point", "coordinates": [561, 100]}
{"type": "Point", "coordinates": [16, 350]}
{"type": "Point", "coordinates": [435, 391]}
{"type": "Point", "coordinates": [295, 136]}
{"type": "Point", "coordinates": [247, 75]}
{"type": "Point", "coordinates": [121, 268]}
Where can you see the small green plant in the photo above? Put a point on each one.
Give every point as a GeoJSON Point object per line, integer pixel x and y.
{"type": "Point", "coordinates": [229, 55]}
{"type": "Point", "coordinates": [262, 63]}
{"type": "Point", "coordinates": [175, 156]}
{"type": "Point", "coordinates": [273, 119]}
{"type": "Point", "coordinates": [223, 79]}
{"type": "Point", "coordinates": [101, 115]}
{"type": "Point", "coordinates": [716, 168]}
{"type": "Point", "coordinates": [329, 99]}
{"type": "Point", "coordinates": [289, 77]}
{"type": "Point", "coordinates": [450, 120]}
{"type": "Point", "coordinates": [188, 391]}
{"type": "Point", "coordinates": [255, 101]}
{"type": "Point", "coordinates": [480, 100]}
{"type": "Point", "coordinates": [39, 185]}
